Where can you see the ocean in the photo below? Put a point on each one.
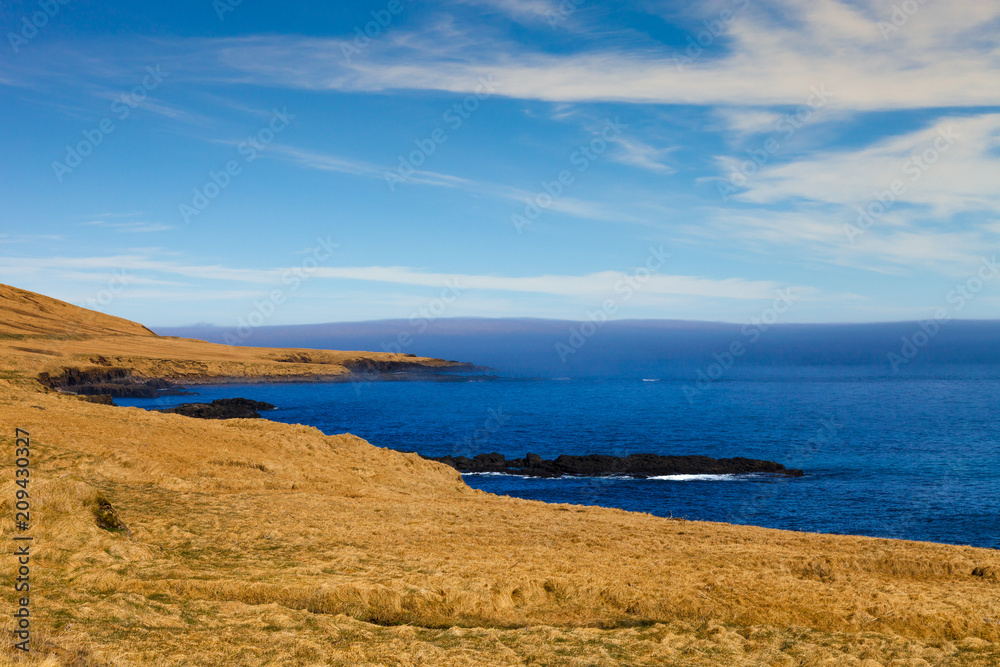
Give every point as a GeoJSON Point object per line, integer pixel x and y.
{"type": "Point", "coordinates": [901, 455]}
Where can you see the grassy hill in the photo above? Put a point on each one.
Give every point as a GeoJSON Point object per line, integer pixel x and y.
{"type": "Point", "coordinates": [29, 315]}
{"type": "Point", "coordinates": [165, 540]}
{"type": "Point", "coordinates": [40, 334]}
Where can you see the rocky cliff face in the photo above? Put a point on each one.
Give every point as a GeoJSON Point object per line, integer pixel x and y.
{"type": "Point", "coordinates": [114, 382]}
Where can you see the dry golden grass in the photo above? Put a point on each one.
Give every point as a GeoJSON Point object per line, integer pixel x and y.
{"type": "Point", "coordinates": [257, 543]}
{"type": "Point", "coordinates": [40, 334]}
{"type": "Point", "coordinates": [27, 314]}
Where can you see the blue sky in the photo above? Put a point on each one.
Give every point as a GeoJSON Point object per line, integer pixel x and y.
{"type": "Point", "coordinates": [199, 161]}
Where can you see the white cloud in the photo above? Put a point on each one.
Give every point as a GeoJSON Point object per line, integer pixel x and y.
{"type": "Point", "coordinates": [135, 263]}
{"type": "Point", "coordinates": [947, 168]}
{"type": "Point", "coordinates": [580, 208]}
{"type": "Point", "coordinates": [820, 235]}
{"type": "Point", "coordinates": [638, 154]}
{"type": "Point", "coordinates": [945, 55]}
{"type": "Point", "coordinates": [593, 286]}
{"type": "Point", "coordinates": [745, 122]}
{"type": "Point", "coordinates": [326, 162]}
{"type": "Point", "coordinates": [130, 227]}
{"type": "Point", "coordinates": [772, 53]}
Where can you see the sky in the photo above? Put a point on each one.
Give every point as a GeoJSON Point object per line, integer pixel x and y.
{"type": "Point", "coordinates": [236, 161]}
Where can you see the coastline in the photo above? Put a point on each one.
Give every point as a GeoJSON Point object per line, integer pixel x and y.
{"type": "Point", "coordinates": [250, 539]}
{"type": "Point", "coordinates": [198, 496]}
{"type": "Point", "coordinates": [315, 378]}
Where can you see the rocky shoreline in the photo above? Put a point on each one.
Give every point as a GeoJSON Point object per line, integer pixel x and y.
{"type": "Point", "coordinates": [125, 383]}
{"type": "Point", "coordinates": [221, 408]}
{"type": "Point", "coordinates": [110, 382]}
{"type": "Point", "coordinates": [105, 384]}
{"type": "Point", "coordinates": [600, 465]}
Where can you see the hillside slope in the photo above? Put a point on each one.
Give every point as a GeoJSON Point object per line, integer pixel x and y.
{"type": "Point", "coordinates": [165, 540]}
{"type": "Point", "coordinates": [27, 314]}
{"type": "Point", "coordinates": [39, 334]}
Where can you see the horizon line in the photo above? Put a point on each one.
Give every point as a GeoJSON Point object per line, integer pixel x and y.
{"type": "Point", "coordinates": [208, 325]}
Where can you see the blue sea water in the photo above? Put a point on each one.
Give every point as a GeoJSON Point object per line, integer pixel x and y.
{"type": "Point", "coordinates": [904, 456]}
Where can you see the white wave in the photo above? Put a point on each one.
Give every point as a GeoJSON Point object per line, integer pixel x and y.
{"type": "Point", "coordinates": [693, 478]}
{"type": "Point", "coordinates": [668, 478]}
{"type": "Point", "coordinates": [502, 474]}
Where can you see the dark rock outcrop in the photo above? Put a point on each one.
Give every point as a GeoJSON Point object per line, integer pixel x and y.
{"type": "Point", "coordinates": [222, 408]}
{"type": "Point", "coordinates": [597, 465]}
{"type": "Point", "coordinates": [114, 382]}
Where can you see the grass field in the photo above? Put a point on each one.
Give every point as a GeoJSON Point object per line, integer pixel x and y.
{"type": "Point", "coordinates": [165, 540]}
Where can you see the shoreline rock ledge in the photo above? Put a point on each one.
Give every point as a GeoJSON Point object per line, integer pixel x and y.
{"type": "Point", "coordinates": [221, 408]}
{"type": "Point", "coordinates": [600, 465]}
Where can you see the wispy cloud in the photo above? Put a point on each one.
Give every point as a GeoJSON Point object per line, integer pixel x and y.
{"type": "Point", "coordinates": [776, 51]}
{"type": "Point", "coordinates": [321, 161]}
{"type": "Point", "coordinates": [635, 153]}
{"type": "Point", "coordinates": [744, 122]}
{"type": "Point", "coordinates": [819, 235]}
{"type": "Point", "coordinates": [592, 286]}
{"type": "Point", "coordinates": [939, 68]}
{"type": "Point", "coordinates": [773, 53]}
{"type": "Point", "coordinates": [14, 266]}
{"type": "Point", "coordinates": [947, 167]}
{"type": "Point", "coordinates": [129, 227]}
{"type": "Point", "coordinates": [528, 11]}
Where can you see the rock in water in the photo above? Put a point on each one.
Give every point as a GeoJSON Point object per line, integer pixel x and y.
{"type": "Point", "coordinates": [598, 465]}
{"type": "Point", "coordinates": [222, 408]}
